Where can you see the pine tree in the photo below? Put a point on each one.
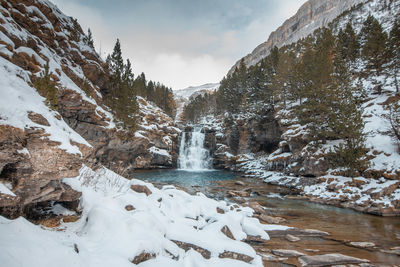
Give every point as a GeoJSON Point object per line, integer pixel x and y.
{"type": "Point", "coordinates": [374, 49]}
{"type": "Point", "coordinates": [122, 97]}
{"type": "Point", "coordinates": [348, 46]}
{"type": "Point", "coordinates": [394, 42]}
{"type": "Point", "coordinates": [117, 62]}
{"type": "Point", "coordinates": [394, 119]}
{"type": "Point", "coordinates": [89, 39]}
{"type": "Point", "coordinates": [345, 121]}
{"type": "Point", "coordinates": [47, 87]}
{"type": "Point", "coordinates": [284, 78]}
{"type": "Point", "coordinates": [318, 67]}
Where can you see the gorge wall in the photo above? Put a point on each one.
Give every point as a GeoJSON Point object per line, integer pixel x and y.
{"type": "Point", "coordinates": [41, 142]}
{"type": "Point", "coordinates": [312, 15]}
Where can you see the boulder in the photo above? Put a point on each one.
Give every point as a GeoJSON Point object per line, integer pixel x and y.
{"type": "Point", "coordinates": [141, 189]}
{"type": "Point", "coordinates": [287, 253]}
{"type": "Point", "coordinates": [271, 220]}
{"type": "Point", "coordinates": [292, 238]}
{"type": "Point", "coordinates": [329, 260]}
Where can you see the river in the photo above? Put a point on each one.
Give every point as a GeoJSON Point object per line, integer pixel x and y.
{"type": "Point", "coordinates": [343, 225]}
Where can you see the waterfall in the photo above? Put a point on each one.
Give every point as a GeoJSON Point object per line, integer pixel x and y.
{"type": "Point", "coordinates": [192, 154]}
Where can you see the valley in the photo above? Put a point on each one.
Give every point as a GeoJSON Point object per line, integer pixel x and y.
{"type": "Point", "coordinates": [292, 159]}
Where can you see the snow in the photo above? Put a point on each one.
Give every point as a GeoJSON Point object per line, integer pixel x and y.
{"type": "Point", "coordinates": [192, 90]}
{"type": "Point", "coordinates": [24, 151]}
{"type": "Point", "coordinates": [156, 150]}
{"type": "Point", "coordinates": [376, 129]}
{"type": "Point", "coordinates": [5, 190]}
{"type": "Point", "coordinates": [109, 235]}
{"type": "Point", "coordinates": [18, 98]}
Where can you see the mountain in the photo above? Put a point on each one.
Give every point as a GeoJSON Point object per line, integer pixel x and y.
{"type": "Point", "coordinates": [190, 91]}
{"type": "Point", "coordinates": [312, 15]}
{"type": "Point", "coordinates": [287, 118]}
{"type": "Point", "coordinates": [54, 112]}
{"type": "Point", "coordinates": [182, 96]}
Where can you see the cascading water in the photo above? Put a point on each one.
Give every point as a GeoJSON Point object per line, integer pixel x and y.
{"type": "Point", "coordinates": [192, 154]}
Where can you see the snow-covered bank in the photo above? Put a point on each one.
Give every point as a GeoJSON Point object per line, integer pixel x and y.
{"type": "Point", "coordinates": [376, 196]}
{"type": "Point", "coordinates": [163, 223]}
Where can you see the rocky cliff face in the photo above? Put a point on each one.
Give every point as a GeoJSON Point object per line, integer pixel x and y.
{"type": "Point", "coordinates": [39, 144]}
{"type": "Point", "coordinates": [311, 16]}
{"type": "Point", "coordinates": [245, 134]}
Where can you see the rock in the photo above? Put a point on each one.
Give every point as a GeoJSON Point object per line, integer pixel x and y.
{"type": "Point", "coordinates": [315, 14]}
{"type": "Point", "coordinates": [329, 259]}
{"type": "Point", "coordinates": [226, 231]}
{"type": "Point", "coordinates": [385, 191]}
{"type": "Point", "coordinates": [142, 257]}
{"type": "Point", "coordinates": [232, 193]}
{"type": "Point", "coordinates": [270, 219]}
{"type": "Point", "coordinates": [258, 209]}
{"type": "Point", "coordinates": [297, 232]}
{"type": "Point", "coordinates": [186, 246]}
{"type": "Point", "coordinates": [141, 189]}
{"type": "Point", "coordinates": [292, 238]}
{"type": "Point", "coordinates": [37, 118]}
{"type": "Point", "coordinates": [394, 250]}
{"type": "Point", "coordinates": [236, 256]}
{"type": "Point", "coordinates": [287, 253]}
{"type": "Point", "coordinates": [271, 258]}
{"type": "Point", "coordinates": [311, 250]}
{"type": "Point", "coordinates": [35, 175]}
{"type": "Point", "coordinates": [220, 211]}
{"type": "Point", "coordinates": [129, 207]}
{"type": "Point", "coordinates": [362, 244]}
{"type": "Point", "coordinates": [239, 183]}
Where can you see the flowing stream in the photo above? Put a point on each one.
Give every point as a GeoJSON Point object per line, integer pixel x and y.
{"type": "Point", "coordinates": [195, 174]}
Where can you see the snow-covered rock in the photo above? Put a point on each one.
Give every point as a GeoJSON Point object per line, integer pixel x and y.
{"type": "Point", "coordinates": [163, 224]}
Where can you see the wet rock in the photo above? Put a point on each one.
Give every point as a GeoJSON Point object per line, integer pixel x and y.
{"type": "Point", "coordinates": [329, 259]}
{"type": "Point", "coordinates": [141, 189]}
{"type": "Point", "coordinates": [292, 238]}
{"type": "Point", "coordinates": [232, 193]}
{"type": "Point", "coordinates": [297, 232]}
{"type": "Point", "coordinates": [270, 219]}
{"type": "Point", "coordinates": [311, 250]}
{"type": "Point", "coordinates": [142, 257]}
{"type": "Point", "coordinates": [394, 250]}
{"type": "Point", "coordinates": [272, 258]}
{"type": "Point", "coordinates": [258, 209]}
{"type": "Point", "coordinates": [287, 253]}
{"type": "Point", "coordinates": [239, 183]}
{"type": "Point", "coordinates": [362, 244]}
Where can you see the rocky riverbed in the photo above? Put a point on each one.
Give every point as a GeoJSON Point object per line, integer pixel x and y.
{"type": "Point", "coordinates": [319, 235]}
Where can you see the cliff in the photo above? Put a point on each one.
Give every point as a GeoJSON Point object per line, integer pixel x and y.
{"type": "Point", "coordinates": [46, 135]}
{"type": "Point", "coordinates": [312, 15]}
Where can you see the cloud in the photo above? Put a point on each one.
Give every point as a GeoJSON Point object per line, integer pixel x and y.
{"type": "Point", "coordinates": [179, 42]}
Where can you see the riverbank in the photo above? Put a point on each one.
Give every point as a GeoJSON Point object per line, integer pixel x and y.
{"type": "Point", "coordinates": [373, 196]}
{"type": "Point", "coordinates": [336, 230]}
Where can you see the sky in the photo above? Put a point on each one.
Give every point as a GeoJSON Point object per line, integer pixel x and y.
{"type": "Point", "coordinates": [180, 43]}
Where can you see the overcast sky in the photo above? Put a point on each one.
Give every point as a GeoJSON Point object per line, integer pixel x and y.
{"type": "Point", "coordinates": [180, 43]}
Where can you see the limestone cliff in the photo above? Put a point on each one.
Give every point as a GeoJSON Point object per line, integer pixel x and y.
{"type": "Point", "coordinates": [42, 143]}
{"type": "Point", "coordinates": [311, 16]}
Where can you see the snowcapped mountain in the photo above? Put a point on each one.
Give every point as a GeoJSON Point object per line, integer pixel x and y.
{"type": "Point", "coordinates": [193, 91]}
{"type": "Point", "coordinates": [182, 96]}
